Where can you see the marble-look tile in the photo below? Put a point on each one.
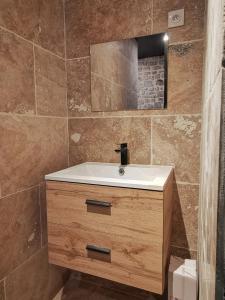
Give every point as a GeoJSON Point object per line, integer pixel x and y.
{"type": "Point", "coordinates": [17, 74]}
{"type": "Point", "coordinates": [20, 17]}
{"type": "Point", "coordinates": [96, 139]}
{"type": "Point", "coordinates": [214, 44]}
{"type": "Point", "coordinates": [37, 20]}
{"type": "Point", "coordinates": [35, 279]}
{"type": "Point", "coordinates": [50, 33]}
{"type": "Point", "coordinates": [194, 19]}
{"type": "Point", "coordinates": [30, 280]}
{"type": "Point", "coordinates": [176, 141]}
{"type": "Point", "coordinates": [20, 221]}
{"type": "Point", "coordinates": [209, 191]}
{"type": "Point", "coordinates": [31, 147]}
{"type": "Point", "coordinates": [78, 86]}
{"type": "Point", "coordinates": [50, 84]}
{"type": "Point", "coordinates": [89, 22]}
{"type": "Point", "coordinates": [185, 64]}
{"type": "Point", "coordinates": [185, 216]}
{"type": "Point", "coordinates": [2, 290]}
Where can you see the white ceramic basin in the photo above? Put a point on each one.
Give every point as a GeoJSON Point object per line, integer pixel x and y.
{"type": "Point", "coordinates": [146, 177]}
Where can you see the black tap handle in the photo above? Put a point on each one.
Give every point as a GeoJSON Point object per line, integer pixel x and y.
{"type": "Point", "coordinates": [123, 145]}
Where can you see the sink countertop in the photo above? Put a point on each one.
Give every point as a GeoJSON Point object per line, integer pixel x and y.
{"type": "Point", "coordinates": [148, 177]}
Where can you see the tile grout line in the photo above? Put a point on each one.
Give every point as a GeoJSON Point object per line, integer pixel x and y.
{"type": "Point", "coordinates": [80, 57]}
{"type": "Point", "coordinates": [100, 117]}
{"type": "Point", "coordinates": [186, 42]}
{"type": "Point", "coordinates": [68, 143]}
{"type": "Point", "coordinates": [136, 116]}
{"type": "Point", "coordinates": [27, 260]}
{"type": "Point", "coordinates": [30, 42]}
{"type": "Point", "coordinates": [67, 106]}
{"type": "Point", "coordinates": [35, 91]}
{"type": "Point", "coordinates": [20, 191]}
{"type": "Point", "coordinates": [152, 16]}
{"type": "Point", "coordinates": [170, 44]}
{"type": "Point", "coordinates": [48, 51]}
{"type": "Point", "coordinates": [40, 212]}
{"type": "Point", "coordinates": [12, 114]}
{"type": "Point", "coordinates": [64, 29]}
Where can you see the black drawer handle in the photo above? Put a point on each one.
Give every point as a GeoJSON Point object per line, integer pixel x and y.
{"type": "Point", "coordinates": [98, 249]}
{"type": "Point", "coordinates": [98, 203]}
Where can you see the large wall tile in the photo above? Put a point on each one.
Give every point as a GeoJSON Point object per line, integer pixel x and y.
{"type": "Point", "coordinates": [185, 216]}
{"type": "Point", "coordinates": [185, 77]}
{"type": "Point", "coordinates": [96, 139]}
{"type": "Point", "coordinates": [79, 85]}
{"type": "Point", "coordinates": [50, 84]}
{"type": "Point", "coordinates": [210, 165]}
{"type": "Point", "coordinates": [20, 17]}
{"type": "Point", "coordinates": [35, 279]}
{"type": "Point", "coordinates": [89, 22]}
{"type": "Point", "coordinates": [214, 44]}
{"type": "Point", "coordinates": [51, 26]}
{"type": "Point", "coordinates": [31, 147]}
{"type": "Point", "coordinates": [36, 20]}
{"type": "Point", "coordinates": [20, 234]}
{"type": "Point", "coordinates": [194, 19]}
{"type": "Point", "coordinates": [30, 280]}
{"type": "Point", "coordinates": [16, 74]}
{"type": "Point", "coordinates": [176, 141]}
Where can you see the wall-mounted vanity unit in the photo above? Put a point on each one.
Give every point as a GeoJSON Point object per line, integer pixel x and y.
{"type": "Point", "coordinates": [112, 226]}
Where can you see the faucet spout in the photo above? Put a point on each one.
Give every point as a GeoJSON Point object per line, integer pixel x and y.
{"type": "Point", "coordinates": [123, 154]}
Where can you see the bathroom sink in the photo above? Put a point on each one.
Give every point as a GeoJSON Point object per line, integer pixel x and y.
{"type": "Point", "coordinates": [148, 177]}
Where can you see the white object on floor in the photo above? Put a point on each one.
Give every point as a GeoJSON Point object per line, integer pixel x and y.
{"type": "Point", "coordinates": [146, 177]}
{"type": "Point", "coordinates": [59, 295]}
{"type": "Point", "coordinates": [182, 279]}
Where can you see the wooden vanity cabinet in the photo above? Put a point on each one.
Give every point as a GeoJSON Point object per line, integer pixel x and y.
{"type": "Point", "coordinates": [120, 234]}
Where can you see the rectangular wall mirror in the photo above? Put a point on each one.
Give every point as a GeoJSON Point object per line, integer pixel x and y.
{"type": "Point", "coordinates": [129, 74]}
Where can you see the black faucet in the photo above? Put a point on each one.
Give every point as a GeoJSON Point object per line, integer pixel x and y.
{"type": "Point", "coordinates": [123, 154]}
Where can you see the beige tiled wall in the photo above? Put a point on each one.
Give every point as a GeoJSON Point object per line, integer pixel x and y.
{"type": "Point", "coordinates": [170, 136]}
{"type": "Point", "coordinates": [33, 141]}
{"type": "Point", "coordinates": [210, 151]}
{"type": "Point", "coordinates": [33, 119]}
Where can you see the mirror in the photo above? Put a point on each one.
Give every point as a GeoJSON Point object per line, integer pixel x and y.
{"type": "Point", "coordinates": [129, 74]}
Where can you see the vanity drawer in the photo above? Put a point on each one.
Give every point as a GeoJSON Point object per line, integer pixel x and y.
{"type": "Point", "coordinates": [131, 212]}
{"type": "Point", "coordinates": [126, 225]}
{"type": "Point", "coordinates": [128, 261]}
